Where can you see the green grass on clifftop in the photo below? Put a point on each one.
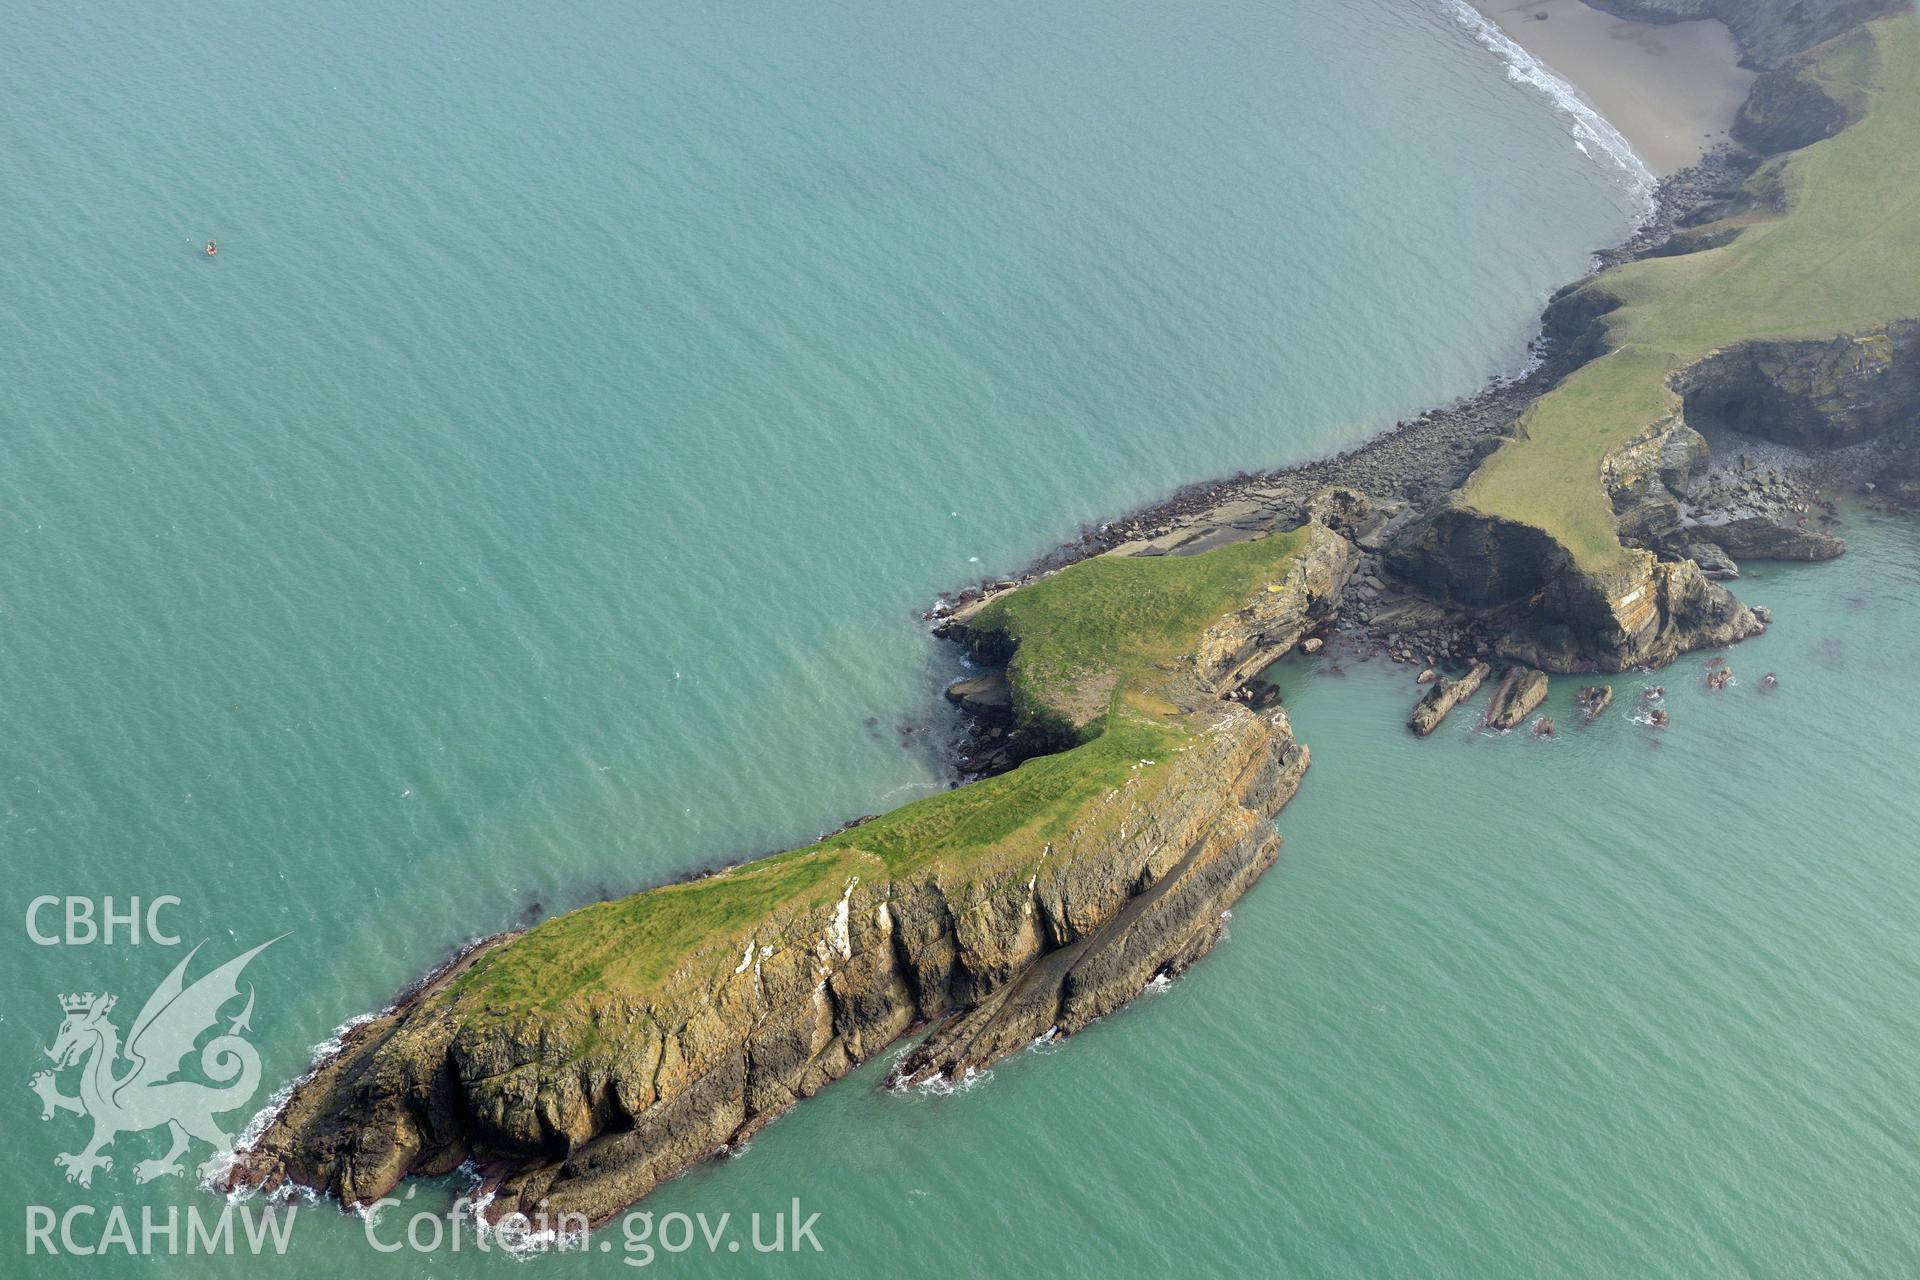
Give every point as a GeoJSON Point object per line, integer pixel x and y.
{"type": "Point", "coordinates": [1845, 257]}
{"type": "Point", "coordinates": [1108, 623]}
{"type": "Point", "coordinates": [1093, 633]}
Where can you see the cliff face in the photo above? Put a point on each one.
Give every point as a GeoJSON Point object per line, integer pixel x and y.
{"type": "Point", "coordinates": [1769, 32]}
{"type": "Point", "coordinates": [1840, 391]}
{"type": "Point", "coordinates": [1786, 110]}
{"type": "Point", "coordinates": [1648, 475]}
{"type": "Point", "coordinates": [1149, 904]}
{"type": "Point", "coordinates": [1645, 612]}
{"type": "Point", "coordinates": [1661, 504]}
{"type": "Point", "coordinates": [1655, 603]}
{"type": "Point", "coordinates": [1679, 340]}
{"type": "Point", "coordinates": [1239, 646]}
{"type": "Point", "coordinates": [1560, 616]}
{"type": "Point", "coordinates": [583, 1101]}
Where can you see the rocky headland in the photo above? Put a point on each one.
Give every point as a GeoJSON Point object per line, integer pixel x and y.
{"type": "Point", "coordinates": [1741, 453]}
{"type": "Point", "coordinates": [1586, 516]}
{"type": "Point", "coordinates": [579, 1063]}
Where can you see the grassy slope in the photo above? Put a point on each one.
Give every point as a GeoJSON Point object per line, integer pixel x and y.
{"type": "Point", "coordinates": [1110, 620]}
{"type": "Point", "coordinates": [1845, 257]}
{"type": "Point", "coordinates": [1091, 637]}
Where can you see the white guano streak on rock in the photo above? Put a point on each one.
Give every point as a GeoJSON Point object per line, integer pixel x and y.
{"type": "Point", "coordinates": [837, 936]}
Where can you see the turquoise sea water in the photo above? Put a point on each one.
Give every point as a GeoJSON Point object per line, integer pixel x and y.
{"type": "Point", "coordinates": [534, 497]}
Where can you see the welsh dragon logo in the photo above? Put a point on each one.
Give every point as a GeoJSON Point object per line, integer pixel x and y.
{"type": "Point", "coordinates": [144, 1095]}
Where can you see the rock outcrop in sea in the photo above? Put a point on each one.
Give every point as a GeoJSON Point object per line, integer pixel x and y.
{"type": "Point", "coordinates": [1518, 695]}
{"type": "Point", "coordinates": [1443, 695]}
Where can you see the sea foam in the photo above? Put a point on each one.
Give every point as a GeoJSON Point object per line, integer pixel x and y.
{"type": "Point", "coordinates": [1592, 132]}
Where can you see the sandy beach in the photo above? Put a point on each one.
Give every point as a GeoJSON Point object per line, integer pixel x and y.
{"type": "Point", "coordinates": [1671, 90]}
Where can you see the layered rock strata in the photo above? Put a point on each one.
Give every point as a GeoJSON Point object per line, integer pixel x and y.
{"type": "Point", "coordinates": [1518, 695]}
{"type": "Point", "coordinates": [1443, 696]}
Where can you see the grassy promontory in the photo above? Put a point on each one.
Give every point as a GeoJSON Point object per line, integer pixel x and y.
{"type": "Point", "coordinates": [604, 1050]}
{"type": "Point", "coordinates": [1827, 246]}
{"type": "Point", "coordinates": [1093, 648]}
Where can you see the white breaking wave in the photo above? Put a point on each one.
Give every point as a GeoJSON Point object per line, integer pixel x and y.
{"type": "Point", "coordinates": [1591, 131]}
{"type": "Point", "coordinates": [222, 1162]}
{"type": "Point", "coordinates": [941, 1087]}
{"type": "Point", "coordinates": [1049, 1041]}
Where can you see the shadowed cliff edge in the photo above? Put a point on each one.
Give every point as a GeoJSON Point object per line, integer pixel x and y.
{"type": "Point", "coordinates": [1575, 519]}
